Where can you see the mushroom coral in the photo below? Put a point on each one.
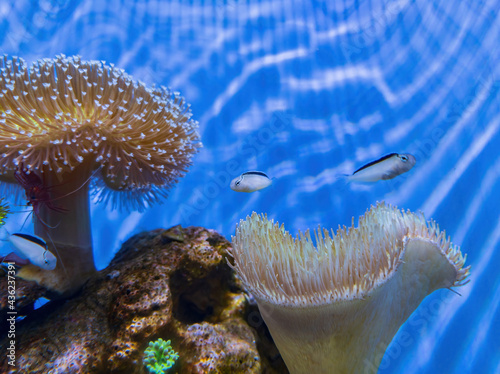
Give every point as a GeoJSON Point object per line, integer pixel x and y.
{"type": "Point", "coordinates": [331, 308]}
{"type": "Point", "coordinates": [66, 123]}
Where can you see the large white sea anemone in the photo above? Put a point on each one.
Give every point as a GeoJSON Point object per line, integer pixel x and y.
{"type": "Point", "coordinates": [331, 307]}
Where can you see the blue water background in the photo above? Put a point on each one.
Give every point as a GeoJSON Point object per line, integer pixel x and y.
{"type": "Point", "coordinates": [307, 90]}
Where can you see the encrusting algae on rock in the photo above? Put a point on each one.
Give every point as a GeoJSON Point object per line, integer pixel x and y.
{"type": "Point", "coordinates": [173, 284]}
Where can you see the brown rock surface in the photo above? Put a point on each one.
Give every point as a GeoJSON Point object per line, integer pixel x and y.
{"type": "Point", "coordinates": [172, 284]}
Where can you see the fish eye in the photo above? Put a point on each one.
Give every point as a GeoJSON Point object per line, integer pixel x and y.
{"type": "Point", "coordinates": [238, 182]}
{"type": "Point", "coordinates": [404, 158]}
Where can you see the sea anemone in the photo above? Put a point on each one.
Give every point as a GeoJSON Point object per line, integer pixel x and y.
{"type": "Point", "coordinates": [331, 308]}
{"type": "Point", "coordinates": [65, 121]}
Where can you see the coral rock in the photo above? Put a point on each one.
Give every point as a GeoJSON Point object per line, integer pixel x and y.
{"type": "Point", "coordinates": [172, 284]}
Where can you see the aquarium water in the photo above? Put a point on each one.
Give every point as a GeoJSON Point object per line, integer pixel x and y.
{"type": "Point", "coordinates": [306, 92]}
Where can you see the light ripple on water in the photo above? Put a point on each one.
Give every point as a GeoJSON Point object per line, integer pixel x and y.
{"type": "Point", "coordinates": [448, 181]}
{"type": "Point", "coordinates": [349, 81]}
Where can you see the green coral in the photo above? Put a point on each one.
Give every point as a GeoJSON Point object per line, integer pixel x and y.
{"type": "Point", "coordinates": [159, 357]}
{"type": "Point", "coordinates": [4, 210]}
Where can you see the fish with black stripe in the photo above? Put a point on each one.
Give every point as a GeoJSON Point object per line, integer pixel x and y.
{"type": "Point", "coordinates": [250, 181]}
{"type": "Point", "coordinates": [385, 168]}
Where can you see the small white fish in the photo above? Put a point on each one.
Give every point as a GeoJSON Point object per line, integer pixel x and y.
{"type": "Point", "coordinates": [34, 249]}
{"type": "Point", "coordinates": [250, 181]}
{"type": "Point", "coordinates": [386, 167]}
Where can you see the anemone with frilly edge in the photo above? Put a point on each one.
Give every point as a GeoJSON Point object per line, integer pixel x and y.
{"type": "Point", "coordinates": [331, 308]}
{"type": "Point", "coordinates": [67, 120]}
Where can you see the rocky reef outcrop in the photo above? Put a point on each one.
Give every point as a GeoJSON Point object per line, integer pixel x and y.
{"type": "Point", "coordinates": [173, 284]}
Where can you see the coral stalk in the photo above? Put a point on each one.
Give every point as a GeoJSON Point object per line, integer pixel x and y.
{"type": "Point", "coordinates": [67, 233]}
